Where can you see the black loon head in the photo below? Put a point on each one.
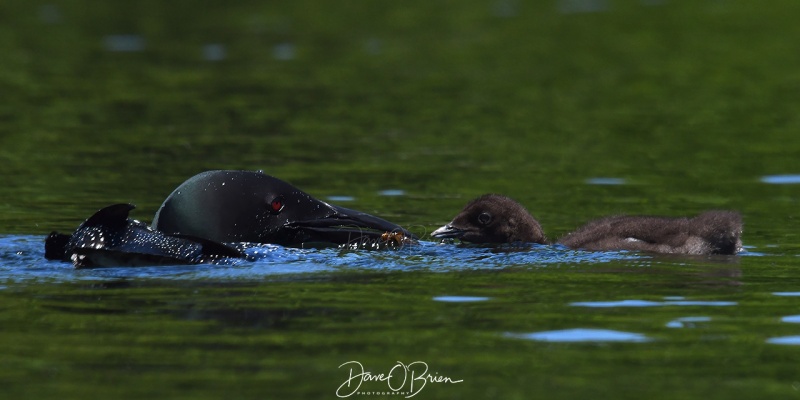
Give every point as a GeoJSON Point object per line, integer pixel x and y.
{"type": "Point", "coordinates": [249, 206]}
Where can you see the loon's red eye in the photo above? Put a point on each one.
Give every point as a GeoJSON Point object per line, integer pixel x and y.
{"type": "Point", "coordinates": [276, 206]}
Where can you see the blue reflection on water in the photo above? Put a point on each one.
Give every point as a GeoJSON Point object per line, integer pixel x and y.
{"type": "Point", "coordinates": [687, 322]}
{"type": "Point", "coordinates": [392, 192]}
{"type": "Point", "coordinates": [460, 299]}
{"type": "Point", "coordinates": [22, 259]}
{"type": "Point", "coordinates": [781, 179]}
{"type": "Point", "coordinates": [618, 303]}
{"type": "Point", "coordinates": [341, 198]}
{"type": "Point", "coordinates": [793, 319]}
{"type": "Point", "coordinates": [605, 181]}
{"type": "Point", "coordinates": [582, 335]}
{"type": "Point", "coordinates": [700, 303]}
{"type": "Point", "coordinates": [791, 340]}
{"type": "Point", "coordinates": [646, 303]}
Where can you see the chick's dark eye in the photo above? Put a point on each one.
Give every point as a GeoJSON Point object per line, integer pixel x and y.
{"type": "Point", "coordinates": [484, 218]}
{"type": "Point", "coordinates": [277, 204]}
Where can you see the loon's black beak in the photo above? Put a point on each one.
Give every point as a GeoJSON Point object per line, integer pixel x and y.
{"type": "Point", "coordinates": [343, 225]}
{"type": "Point", "coordinates": [448, 232]}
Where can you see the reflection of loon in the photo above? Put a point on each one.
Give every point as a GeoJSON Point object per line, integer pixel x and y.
{"type": "Point", "coordinates": [498, 219]}
{"type": "Point", "coordinates": [211, 209]}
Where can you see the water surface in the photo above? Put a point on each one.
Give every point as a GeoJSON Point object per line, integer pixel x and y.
{"type": "Point", "coordinates": [578, 109]}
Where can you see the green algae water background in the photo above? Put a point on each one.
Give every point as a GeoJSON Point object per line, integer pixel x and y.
{"type": "Point", "coordinates": [576, 108]}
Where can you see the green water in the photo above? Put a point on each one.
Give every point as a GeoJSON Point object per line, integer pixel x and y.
{"type": "Point", "coordinates": [690, 103]}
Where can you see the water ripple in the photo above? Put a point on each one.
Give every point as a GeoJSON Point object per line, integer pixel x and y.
{"type": "Point", "coordinates": [605, 181]}
{"type": "Point", "coordinates": [781, 179]}
{"type": "Point", "coordinates": [790, 340]}
{"type": "Point", "coordinates": [646, 303]}
{"type": "Point", "coordinates": [582, 335]}
{"type": "Point", "coordinates": [786, 294]}
{"type": "Point", "coordinates": [792, 319]}
{"type": "Point", "coordinates": [21, 259]}
{"type": "Point", "coordinates": [392, 192]}
{"type": "Point", "coordinates": [687, 322]}
{"type": "Point", "coordinates": [460, 299]}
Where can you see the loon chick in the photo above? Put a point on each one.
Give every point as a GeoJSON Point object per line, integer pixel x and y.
{"type": "Point", "coordinates": [494, 218]}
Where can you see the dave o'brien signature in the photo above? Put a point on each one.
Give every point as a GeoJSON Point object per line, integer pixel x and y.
{"type": "Point", "coordinates": [415, 374]}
